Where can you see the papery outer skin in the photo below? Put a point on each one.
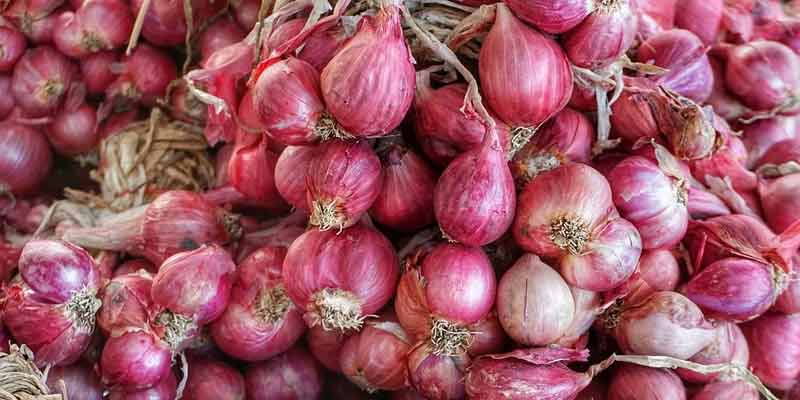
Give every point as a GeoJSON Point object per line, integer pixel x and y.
{"type": "Point", "coordinates": [510, 379]}
{"type": "Point", "coordinates": [375, 357]}
{"type": "Point", "coordinates": [437, 116]}
{"type": "Point", "coordinates": [474, 199]}
{"type": "Point", "coordinates": [534, 303]}
{"type": "Point", "coordinates": [322, 45]}
{"type": "Point", "coordinates": [32, 73]}
{"type": "Point", "coordinates": [488, 336]}
{"type": "Point", "coordinates": [211, 379]}
{"type": "Point", "coordinates": [724, 102]}
{"type": "Point", "coordinates": [126, 302]}
{"type": "Point", "coordinates": [374, 106]}
{"type": "Point", "coordinates": [100, 25]}
{"type": "Point", "coordinates": [14, 45]}
{"type": "Point", "coordinates": [774, 349]}
{"type": "Point", "coordinates": [782, 152]}
{"type": "Point", "coordinates": [436, 377]}
{"type": "Point", "coordinates": [45, 327]}
{"type": "Point", "coordinates": [631, 116]}
{"type": "Point", "coordinates": [603, 36]}
{"type": "Point", "coordinates": [666, 324]}
{"type": "Point", "coordinates": [326, 346]}
{"type": "Point", "coordinates": [459, 281]}
{"type": "Point", "coordinates": [658, 272]}
{"type": "Point", "coordinates": [510, 51]}
{"type": "Point", "coordinates": [788, 301]}
{"type": "Point", "coordinates": [587, 306]}
{"type": "Point", "coordinates": [780, 199]}
{"type": "Point", "coordinates": [203, 298]}
{"type": "Point", "coordinates": [28, 160]}
{"type": "Point", "coordinates": [609, 259]}
{"type": "Point", "coordinates": [764, 75]}
{"type": "Point", "coordinates": [288, 101]}
{"type": "Point", "coordinates": [648, 198]}
{"type": "Point", "coordinates": [702, 18]}
{"type": "Point", "coordinates": [722, 350]}
{"type": "Point", "coordinates": [150, 71]}
{"type": "Point", "coordinates": [576, 190]}
{"type": "Point", "coordinates": [568, 136]}
{"type": "Point", "coordinates": [634, 382]}
{"type": "Point", "coordinates": [551, 16]}
{"type": "Point", "coordinates": [290, 175]}
{"type": "Point", "coordinates": [725, 236]}
{"type": "Point", "coordinates": [683, 53]}
{"type": "Point", "coordinates": [359, 260]}
{"type": "Point", "coordinates": [251, 170]}
{"type": "Point", "coordinates": [727, 161]}
{"type": "Point", "coordinates": [220, 33]}
{"type": "Point", "coordinates": [411, 304]}
{"type": "Point", "coordinates": [740, 390]}
{"type": "Point", "coordinates": [56, 270]}
{"type": "Point", "coordinates": [282, 33]}
{"type": "Point", "coordinates": [349, 174]}
{"type": "Point", "coordinates": [134, 360]}
{"type": "Point", "coordinates": [80, 380]}
{"type": "Point", "coordinates": [293, 375]}
{"type": "Point", "coordinates": [240, 332]}
{"type": "Point", "coordinates": [405, 202]}
{"type": "Point", "coordinates": [733, 289]}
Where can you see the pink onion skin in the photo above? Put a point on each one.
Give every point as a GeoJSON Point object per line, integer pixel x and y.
{"type": "Point", "coordinates": [6, 102]}
{"type": "Point", "coordinates": [163, 390]}
{"type": "Point", "coordinates": [150, 71]}
{"type": "Point", "coordinates": [774, 349]}
{"type": "Point", "coordinates": [94, 26]}
{"type": "Point", "coordinates": [658, 272]}
{"type": "Point", "coordinates": [56, 270]}
{"type": "Point", "coordinates": [725, 236]}
{"type": "Point", "coordinates": [599, 264]}
{"type": "Point", "coordinates": [347, 175]}
{"type": "Point", "coordinates": [326, 346]}
{"type": "Point", "coordinates": [282, 33]}
{"type": "Point", "coordinates": [12, 48]}
{"type": "Point", "coordinates": [244, 330]}
{"type": "Point", "coordinates": [519, 98]}
{"type": "Point", "coordinates": [251, 170]}
{"type": "Point", "coordinates": [734, 289]}
{"type": "Point", "coordinates": [221, 33]}
{"type": "Point", "coordinates": [684, 54]}
{"type": "Point", "coordinates": [474, 198]}
{"type": "Point", "coordinates": [358, 260]}
{"type": "Point", "coordinates": [788, 301]}
{"type": "Point", "coordinates": [603, 36]}
{"type": "Point", "coordinates": [667, 324]}
{"type": "Point", "coordinates": [534, 304]}
{"type": "Point", "coordinates": [526, 374]}
{"type": "Point", "coordinates": [438, 118]}
{"type": "Point", "coordinates": [702, 18]}
{"type": "Point", "coordinates": [79, 379]}
{"type": "Point", "coordinates": [595, 391]}
{"type": "Point", "coordinates": [488, 336]}
{"type": "Point", "coordinates": [587, 308]}
{"type": "Point", "coordinates": [724, 102]}
{"type": "Point", "coordinates": [779, 153]}
{"type": "Point", "coordinates": [134, 360]}
{"type": "Point", "coordinates": [293, 375]}
{"type": "Point", "coordinates": [780, 201]}
{"type": "Point", "coordinates": [436, 377]}
{"type": "Point", "coordinates": [728, 160]}
{"type": "Point", "coordinates": [637, 382]}
{"type": "Point", "coordinates": [375, 357]}
{"type": "Point", "coordinates": [761, 135]}
{"type": "Point", "coordinates": [748, 66]}
{"type": "Point", "coordinates": [210, 379]}
{"type": "Point", "coordinates": [41, 79]}
{"type": "Point", "coordinates": [41, 30]}
{"type": "Point", "coordinates": [379, 50]}
{"type": "Point", "coordinates": [727, 390]}
{"type": "Point", "coordinates": [566, 137]}
{"type": "Point", "coordinates": [126, 302]}
{"type": "Point", "coordinates": [552, 16]}
{"type": "Point", "coordinates": [632, 118]}
{"type": "Point", "coordinates": [202, 298]}
{"type": "Point", "coordinates": [405, 202]}
{"type": "Point", "coordinates": [322, 45]}
{"type": "Point", "coordinates": [288, 101]}
{"type": "Point", "coordinates": [703, 204]}
{"type": "Point", "coordinates": [722, 350]}
{"type": "Point", "coordinates": [651, 200]}
{"type": "Point", "coordinates": [245, 12]}
{"type": "Point", "coordinates": [74, 132]}
{"type": "Point", "coordinates": [165, 23]}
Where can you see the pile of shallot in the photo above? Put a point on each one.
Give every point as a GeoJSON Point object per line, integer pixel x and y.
{"type": "Point", "coordinates": [468, 199]}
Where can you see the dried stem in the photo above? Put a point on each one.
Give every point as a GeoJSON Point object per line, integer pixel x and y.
{"type": "Point", "coordinates": [189, 15]}
{"type": "Point", "coordinates": [21, 379]}
{"type": "Point", "coordinates": [137, 27]}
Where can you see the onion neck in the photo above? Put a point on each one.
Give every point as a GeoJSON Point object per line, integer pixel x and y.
{"type": "Point", "coordinates": [569, 234]}
{"type": "Point", "coordinates": [336, 309]}
{"type": "Point", "coordinates": [520, 136]}
{"type": "Point", "coordinates": [82, 308]}
{"type": "Point", "coordinates": [122, 232]}
{"type": "Point", "coordinates": [448, 338]}
{"type": "Point", "coordinates": [272, 304]}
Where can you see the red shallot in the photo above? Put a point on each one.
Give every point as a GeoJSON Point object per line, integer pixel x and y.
{"type": "Point", "coordinates": [375, 357]}
{"type": "Point", "coordinates": [292, 375]}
